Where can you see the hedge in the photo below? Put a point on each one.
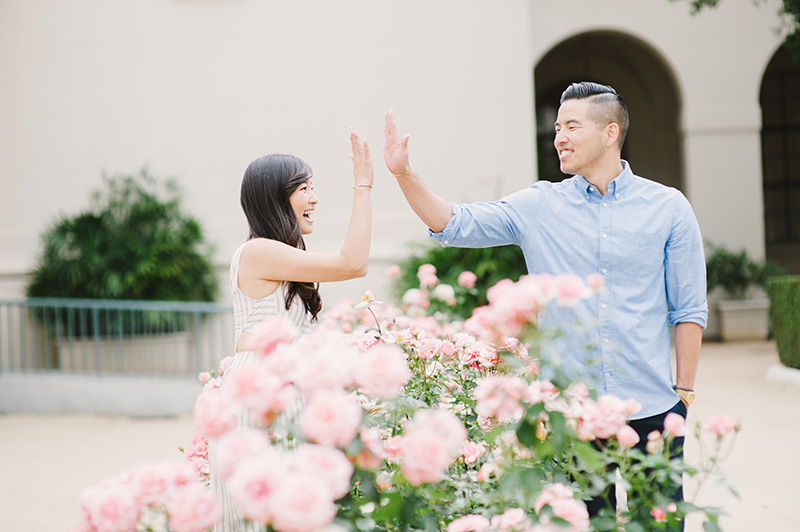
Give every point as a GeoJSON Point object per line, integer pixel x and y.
{"type": "Point", "coordinates": [784, 300]}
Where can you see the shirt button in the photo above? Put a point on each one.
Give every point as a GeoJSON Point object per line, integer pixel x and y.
{"type": "Point", "coordinates": [605, 204]}
{"type": "Point", "coordinates": [608, 374]}
{"type": "Point", "coordinates": [446, 242]}
{"type": "Point", "coordinates": [604, 270]}
{"type": "Point", "coordinates": [603, 305]}
{"type": "Point", "coordinates": [605, 235]}
{"type": "Point", "coordinates": [616, 195]}
{"type": "Point", "coordinates": [591, 189]}
{"type": "Point", "coordinates": [605, 340]}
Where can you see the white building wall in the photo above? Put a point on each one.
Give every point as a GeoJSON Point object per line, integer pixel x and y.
{"type": "Point", "coordinates": [197, 89]}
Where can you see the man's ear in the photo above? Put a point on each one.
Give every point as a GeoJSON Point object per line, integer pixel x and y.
{"type": "Point", "coordinates": [611, 134]}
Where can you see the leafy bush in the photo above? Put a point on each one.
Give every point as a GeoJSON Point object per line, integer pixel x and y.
{"type": "Point", "coordinates": [134, 243]}
{"type": "Point", "coordinates": [488, 264]}
{"type": "Point", "coordinates": [735, 272]}
{"type": "Point", "coordinates": [784, 309]}
{"type": "Point", "coordinates": [130, 245]}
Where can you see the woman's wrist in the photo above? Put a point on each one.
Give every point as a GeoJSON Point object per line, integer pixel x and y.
{"type": "Point", "coordinates": [362, 186]}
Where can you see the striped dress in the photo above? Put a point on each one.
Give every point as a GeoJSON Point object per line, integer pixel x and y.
{"type": "Point", "coordinates": [247, 314]}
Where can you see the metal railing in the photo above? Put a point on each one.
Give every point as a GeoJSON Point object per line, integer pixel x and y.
{"type": "Point", "coordinates": [147, 338]}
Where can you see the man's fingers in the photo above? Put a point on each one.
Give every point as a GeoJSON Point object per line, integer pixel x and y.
{"type": "Point", "coordinates": [390, 128]}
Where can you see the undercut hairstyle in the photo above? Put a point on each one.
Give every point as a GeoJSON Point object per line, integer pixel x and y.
{"type": "Point", "coordinates": [607, 105]}
{"type": "Point", "coordinates": [267, 185]}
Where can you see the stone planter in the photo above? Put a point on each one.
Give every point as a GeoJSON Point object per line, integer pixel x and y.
{"type": "Point", "coordinates": [743, 320]}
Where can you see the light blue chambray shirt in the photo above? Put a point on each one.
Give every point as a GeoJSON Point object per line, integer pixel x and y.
{"type": "Point", "coordinates": [642, 236]}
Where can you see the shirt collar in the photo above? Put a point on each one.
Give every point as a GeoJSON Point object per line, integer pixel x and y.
{"type": "Point", "coordinates": [616, 187]}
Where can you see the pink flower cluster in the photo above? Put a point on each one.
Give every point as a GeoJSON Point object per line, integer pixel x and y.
{"type": "Point", "coordinates": [323, 368]}
{"type": "Point", "coordinates": [432, 440]}
{"type": "Point", "coordinates": [561, 501]}
{"type": "Point", "coordinates": [294, 492]}
{"type": "Point", "coordinates": [608, 417]}
{"type": "Point", "coordinates": [513, 306]}
{"type": "Point", "coordinates": [721, 425]}
{"type": "Point", "coordinates": [118, 504]}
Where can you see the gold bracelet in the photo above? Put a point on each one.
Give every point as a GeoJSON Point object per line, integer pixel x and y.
{"type": "Point", "coordinates": [362, 185]}
{"type": "Point", "coordinates": [404, 173]}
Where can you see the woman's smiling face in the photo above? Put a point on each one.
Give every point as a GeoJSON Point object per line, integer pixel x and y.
{"type": "Point", "coordinates": [303, 202]}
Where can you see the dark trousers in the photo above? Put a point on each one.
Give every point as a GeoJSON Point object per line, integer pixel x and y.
{"type": "Point", "coordinates": [643, 427]}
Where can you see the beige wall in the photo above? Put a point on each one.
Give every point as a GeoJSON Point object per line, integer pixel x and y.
{"type": "Point", "coordinates": [197, 89]}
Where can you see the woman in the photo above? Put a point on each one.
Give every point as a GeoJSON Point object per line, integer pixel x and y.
{"type": "Point", "coordinates": [273, 274]}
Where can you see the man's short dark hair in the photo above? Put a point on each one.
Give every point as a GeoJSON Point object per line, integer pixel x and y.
{"type": "Point", "coordinates": [609, 105]}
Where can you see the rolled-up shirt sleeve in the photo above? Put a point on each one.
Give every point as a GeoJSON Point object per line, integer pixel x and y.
{"type": "Point", "coordinates": [686, 268]}
{"type": "Point", "coordinates": [488, 224]}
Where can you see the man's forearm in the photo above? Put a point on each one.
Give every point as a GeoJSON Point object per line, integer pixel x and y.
{"type": "Point", "coordinates": [433, 210]}
{"type": "Point", "coordinates": [688, 340]}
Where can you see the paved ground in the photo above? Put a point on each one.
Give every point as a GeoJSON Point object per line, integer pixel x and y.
{"type": "Point", "coordinates": [47, 460]}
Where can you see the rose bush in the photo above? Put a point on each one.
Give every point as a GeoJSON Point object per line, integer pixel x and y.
{"type": "Point", "coordinates": [396, 418]}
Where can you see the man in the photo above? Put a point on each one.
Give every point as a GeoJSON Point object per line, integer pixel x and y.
{"type": "Point", "coordinates": [642, 236]}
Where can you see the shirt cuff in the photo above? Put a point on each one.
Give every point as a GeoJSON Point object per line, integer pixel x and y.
{"type": "Point", "coordinates": [446, 235]}
{"type": "Point", "coordinates": [698, 315]}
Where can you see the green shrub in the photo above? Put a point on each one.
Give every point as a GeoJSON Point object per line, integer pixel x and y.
{"type": "Point", "coordinates": [490, 265]}
{"type": "Point", "coordinates": [784, 310]}
{"type": "Point", "coordinates": [134, 243]}
{"type": "Point", "coordinates": [735, 272]}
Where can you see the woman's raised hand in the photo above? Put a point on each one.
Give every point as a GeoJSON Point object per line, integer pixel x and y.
{"type": "Point", "coordinates": [395, 149]}
{"type": "Point", "coordinates": [362, 162]}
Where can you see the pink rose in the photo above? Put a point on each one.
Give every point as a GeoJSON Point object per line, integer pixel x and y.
{"type": "Point", "coordinates": [498, 396]}
{"type": "Point", "coordinates": [560, 499]}
{"type": "Point", "coordinates": [425, 458]}
{"type": "Point", "coordinates": [473, 451]}
{"type": "Point", "coordinates": [606, 416]}
{"type": "Point", "coordinates": [721, 425]}
{"type": "Point", "coordinates": [252, 386]}
{"type": "Point", "coordinates": [444, 425]}
{"type": "Point", "coordinates": [204, 377]}
{"type": "Point", "coordinates": [327, 367]}
{"type": "Point", "coordinates": [595, 281]}
{"type": "Point", "coordinates": [109, 508]}
{"type": "Point", "coordinates": [416, 297]}
{"type": "Point", "coordinates": [252, 487]}
{"type": "Point", "coordinates": [331, 418]}
{"type": "Point", "coordinates": [659, 515]}
{"type": "Point", "coordinates": [467, 279]}
{"type": "Point", "coordinates": [224, 363]}
{"type": "Point", "coordinates": [469, 523]}
{"type": "Point", "coordinates": [237, 447]}
{"type": "Point", "coordinates": [392, 271]}
{"type": "Point", "coordinates": [675, 425]}
{"type": "Point", "coordinates": [627, 436]}
{"type": "Point", "coordinates": [326, 464]}
{"type": "Point", "coordinates": [271, 332]}
{"type": "Point", "coordinates": [155, 484]}
{"type": "Point", "coordinates": [383, 371]}
{"type": "Point", "coordinates": [194, 509]}
{"type": "Point", "coordinates": [302, 504]}
{"type": "Point", "coordinates": [511, 519]}
{"type": "Point", "coordinates": [571, 289]}
{"type": "Point", "coordinates": [214, 413]}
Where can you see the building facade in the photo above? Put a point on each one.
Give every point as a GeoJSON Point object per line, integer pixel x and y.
{"type": "Point", "coordinates": [198, 88]}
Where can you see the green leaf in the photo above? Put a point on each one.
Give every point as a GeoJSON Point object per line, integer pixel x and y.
{"type": "Point", "coordinates": [711, 526]}
{"type": "Point", "coordinates": [602, 524]}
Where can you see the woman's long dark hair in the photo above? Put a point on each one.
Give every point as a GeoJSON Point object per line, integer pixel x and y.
{"type": "Point", "coordinates": [267, 185]}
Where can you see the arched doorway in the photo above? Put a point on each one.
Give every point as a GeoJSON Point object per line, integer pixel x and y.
{"type": "Point", "coordinates": [780, 159]}
{"type": "Point", "coordinates": [653, 145]}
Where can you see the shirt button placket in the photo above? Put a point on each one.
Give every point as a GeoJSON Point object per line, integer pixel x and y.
{"type": "Point", "coordinates": [604, 256]}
